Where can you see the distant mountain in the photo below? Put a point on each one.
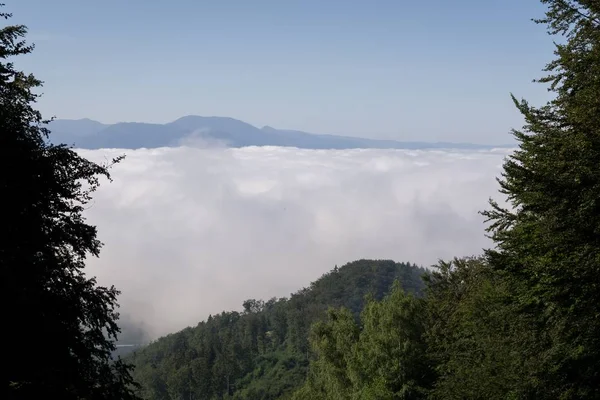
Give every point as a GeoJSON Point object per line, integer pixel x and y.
{"type": "Point", "coordinates": [70, 131]}
{"type": "Point", "coordinates": [230, 132]}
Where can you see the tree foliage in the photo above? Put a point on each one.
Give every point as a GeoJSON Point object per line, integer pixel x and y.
{"type": "Point", "coordinates": [60, 325]}
{"type": "Point", "coordinates": [262, 352]}
{"type": "Point", "coordinates": [383, 356]}
{"type": "Point", "coordinates": [520, 322]}
{"type": "Point", "coordinates": [475, 339]}
{"type": "Point", "coordinates": [548, 242]}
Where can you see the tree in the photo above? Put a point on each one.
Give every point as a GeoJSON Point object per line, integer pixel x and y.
{"type": "Point", "coordinates": [383, 357]}
{"type": "Point", "coordinates": [59, 325]}
{"type": "Point", "coordinates": [390, 358]}
{"type": "Point", "coordinates": [263, 353]}
{"type": "Point", "coordinates": [548, 242]}
{"type": "Point", "coordinates": [476, 340]}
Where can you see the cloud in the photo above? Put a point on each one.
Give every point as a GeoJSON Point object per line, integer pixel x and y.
{"type": "Point", "coordinates": [193, 231]}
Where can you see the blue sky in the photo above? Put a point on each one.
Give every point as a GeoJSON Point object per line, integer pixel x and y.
{"type": "Point", "coordinates": [407, 70]}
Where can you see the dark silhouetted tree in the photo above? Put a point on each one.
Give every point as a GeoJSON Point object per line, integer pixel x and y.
{"type": "Point", "coordinates": [59, 326]}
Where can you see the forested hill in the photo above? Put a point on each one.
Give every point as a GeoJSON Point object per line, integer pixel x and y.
{"type": "Point", "coordinates": [263, 351]}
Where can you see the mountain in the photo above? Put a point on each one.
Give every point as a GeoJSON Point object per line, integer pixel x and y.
{"type": "Point", "coordinates": [70, 131]}
{"type": "Point", "coordinates": [323, 141]}
{"type": "Point", "coordinates": [262, 352]}
{"type": "Point", "coordinates": [230, 132]}
{"type": "Point", "coordinates": [78, 127]}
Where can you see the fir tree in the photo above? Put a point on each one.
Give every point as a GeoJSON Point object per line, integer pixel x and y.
{"type": "Point", "coordinates": [59, 325]}
{"type": "Point", "coordinates": [548, 242]}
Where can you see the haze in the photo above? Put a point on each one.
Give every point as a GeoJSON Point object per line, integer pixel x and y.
{"type": "Point", "coordinates": [193, 231]}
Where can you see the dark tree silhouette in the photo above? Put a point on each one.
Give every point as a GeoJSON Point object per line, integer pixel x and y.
{"type": "Point", "coordinates": [59, 325]}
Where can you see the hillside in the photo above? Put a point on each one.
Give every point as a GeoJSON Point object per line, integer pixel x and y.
{"type": "Point", "coordinates": [263, 351]}
{"type": "Point", "coordinates": [230, 132]}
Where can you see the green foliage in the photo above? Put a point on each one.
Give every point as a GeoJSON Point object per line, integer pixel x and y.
{"type": "Point", "coordinates": [274, 376]}
{"type": "Point", "coordinates": [521, 322]}
{"type": "Point", "coordinates": [549, 242]}
{"type": "Point", "coordinates": [383, 357]}
{"type": "Point", "coordinates": [262, 352]}
{"type": "Point", "coordinates": [61, 326]}
{"type": "Point", "coordinates": [333, 342]}
{"type": "Point", "coordinates": [524, 321]}
{"type": "Point", "coordinates": [475, 339]}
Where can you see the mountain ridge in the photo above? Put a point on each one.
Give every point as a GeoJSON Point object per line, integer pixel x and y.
{"type": "Point", "coordinates": [90, 134]}
{"type": "Point", "coordinates": [263, 351]}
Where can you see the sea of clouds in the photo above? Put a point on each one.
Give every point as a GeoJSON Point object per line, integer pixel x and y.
{"type": "Point", "coordinates": [193, 231]}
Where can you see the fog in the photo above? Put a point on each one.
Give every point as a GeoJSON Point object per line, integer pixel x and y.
{"type": "Point", "coordinates": [192, 231]}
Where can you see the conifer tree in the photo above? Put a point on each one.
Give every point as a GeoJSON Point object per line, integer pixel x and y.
{"type": "Point", "coordinates": [59, 325]}
{"type": "Point", "coordinates": [548, 239]}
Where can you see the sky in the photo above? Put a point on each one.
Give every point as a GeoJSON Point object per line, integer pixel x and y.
{"type": "Point", "coordinates": [394, 69]}
{"type": "Point", "coordinates": [189, 232]}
